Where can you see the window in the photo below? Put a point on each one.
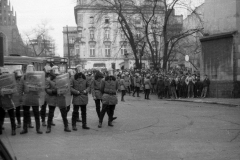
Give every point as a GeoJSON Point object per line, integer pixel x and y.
{"type": "Point", "coordinates": [77, 50]}
{"type": "Point", "coordinates": [91, 20]}
{"type": "Point", "coordinates": [91, 34]}
{"type": "Point", "coordinates": [107, 51]}
{"type": "Point", "coordinates": [123, 50]}
{"type": "Point", "coordinates": [138, 35]}
{"type": "Point", "coordinates": [107, 21]}
{"type": "Point", "coordinates": [71, 41]}
{"type": "Point", "coordinates": [92, 51]}
{"type": "Point", "coordinates": [107, 34]}
{"type": "Point", "coordinates": [80, 33]}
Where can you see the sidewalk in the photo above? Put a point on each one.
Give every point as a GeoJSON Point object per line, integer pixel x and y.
{"type": "Point", "coordinates": [222, 101]}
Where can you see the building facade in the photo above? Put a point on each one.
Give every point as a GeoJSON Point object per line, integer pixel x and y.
{"type": "Point", "coordinates": [97, 42]}
{"type": "Point", "coordinates": [220, 57]}
{"type": "Point", "coordinates": [12, 41]}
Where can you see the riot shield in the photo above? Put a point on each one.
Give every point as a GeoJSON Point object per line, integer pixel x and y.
{"type": "Point", "coordinates": [63, 90]}
{"type": "Point", "coordinates": [34, 89]}
{"type": "Point", "coordinates": [9, 93]}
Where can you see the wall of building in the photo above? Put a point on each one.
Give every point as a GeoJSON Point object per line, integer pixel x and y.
{"type": "Point", "coordinates": [220, 16]}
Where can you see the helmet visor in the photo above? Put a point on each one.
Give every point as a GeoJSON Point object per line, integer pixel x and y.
{"type": "Point", "coordinates": [30, 68]}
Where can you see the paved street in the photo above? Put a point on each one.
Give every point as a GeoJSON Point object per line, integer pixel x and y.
{"type": "Point", "coordinates": [154, 130]}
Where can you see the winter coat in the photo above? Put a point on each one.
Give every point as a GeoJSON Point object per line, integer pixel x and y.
{"type": "Point", "coordinates": [172, 83]}
{"type": "Point", "coordinates": [109, 89]}
{"type": "Point", "coordinates": [147, 84]}
{"type": "Point", "coordinates": [51, 98]}
{"type": "Point", "coordinates": [79, 86]}
{"type": "Point", "coordinates": [137, 82]}
{"type": "Point", "coordinates": [153, 80]}
{"type": "Point", "coordinates": [96, 89]}
{"type": "Point", "coordinates": [122, 84]}
{"type": "Point", "coordinates": [206, 82]}
{"type": "Point", "coordinates": [127, 81]}
{"type": "Point", "coordinates": [20, 88]}
{"type": "Point", "coordinates": [160, 85]}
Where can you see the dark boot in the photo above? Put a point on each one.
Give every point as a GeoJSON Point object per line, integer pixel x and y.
{"type": "Point", "coordinates": [74, 128]}
{"type": "Point", "coordinates": [13, 132]}
{"type": "Point", "coordinates": [53, 124]}
{"type": "Point", "coordinates": [25, 129]}
{"type": "Point", "coordinates": [48, 129]}
{"type": "Point", "coordinates": [110, 123]}
{"type": "Point", "coordinates": [38, 128]}
{"type": "Point", "coordinates": [100, 125]}
{"type": "Point", "coordinates": [85, 127]}
{"type": "Point", "coordinates": [66, 129]}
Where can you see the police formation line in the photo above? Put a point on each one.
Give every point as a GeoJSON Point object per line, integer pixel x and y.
{"type": "Point", "coordinates": [52, 89]}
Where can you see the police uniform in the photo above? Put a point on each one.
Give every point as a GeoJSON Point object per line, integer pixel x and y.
{"type": "Point", "coordinates": [79, 89]}
{"type": "Point", "coordinates": [51, 99]}
{"type": "Point", "coordinates": [109, 88]}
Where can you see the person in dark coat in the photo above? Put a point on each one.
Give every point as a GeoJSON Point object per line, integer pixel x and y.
{"type": "Point", "coordinates": [173, 87]}
{"type": "Point", "coordinates": [206, 84]}
{"type": "Point", "coordinates": [79, 89]}
{"type": "Point", "coordinates": [160, 87]}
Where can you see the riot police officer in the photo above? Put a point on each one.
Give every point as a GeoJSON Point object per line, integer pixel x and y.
{"type": "Point", "coordinates": [79, 89]}
{"type": "Point", "coordinates": [19, 79]}
{"type": "Point", "coordinates": [109, 89]}
{"type": "Point", "coordinates": [26, 108]}
{"type": "Point", "coordinates": [10, 111]}
{"type": "Point", "coordinates": [51, 99]}
{"type": "Point", "coordinates": [47, 69]}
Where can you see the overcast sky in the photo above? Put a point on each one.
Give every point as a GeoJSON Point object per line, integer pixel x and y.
{"type": "Point", "coordinates": [58, 13]}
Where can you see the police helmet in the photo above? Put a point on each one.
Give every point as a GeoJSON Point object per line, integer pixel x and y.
{"type": "Point", "coordinates": [30, 68]}
{"type": "Point", "coordinates": [18, 73]}
{"type": "Point", "coordinates": [55, 70]}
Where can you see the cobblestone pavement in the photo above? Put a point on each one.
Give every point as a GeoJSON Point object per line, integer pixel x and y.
{"type": "Point", "coordinates": [145, 129]}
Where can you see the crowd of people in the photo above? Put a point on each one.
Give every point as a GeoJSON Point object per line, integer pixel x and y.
{"type": "Point", "coordinates": [103, 86]}
{"type": "Point", "coordinates": [173, 84]}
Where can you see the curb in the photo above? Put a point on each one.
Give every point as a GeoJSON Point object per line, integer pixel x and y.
{"type": "Point", "coordinates": [208, 102]}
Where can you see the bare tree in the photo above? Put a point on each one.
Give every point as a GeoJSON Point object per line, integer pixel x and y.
{"type": "Point", "coordinates": [170, 37]}
{"type": "Point", "coordinates": [39, 39]}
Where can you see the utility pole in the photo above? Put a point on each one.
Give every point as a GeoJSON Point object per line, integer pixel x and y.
{"type": "Point", "coordinates": [69, 61]}
{"type": "Point", "coordinates": [1, 51]}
